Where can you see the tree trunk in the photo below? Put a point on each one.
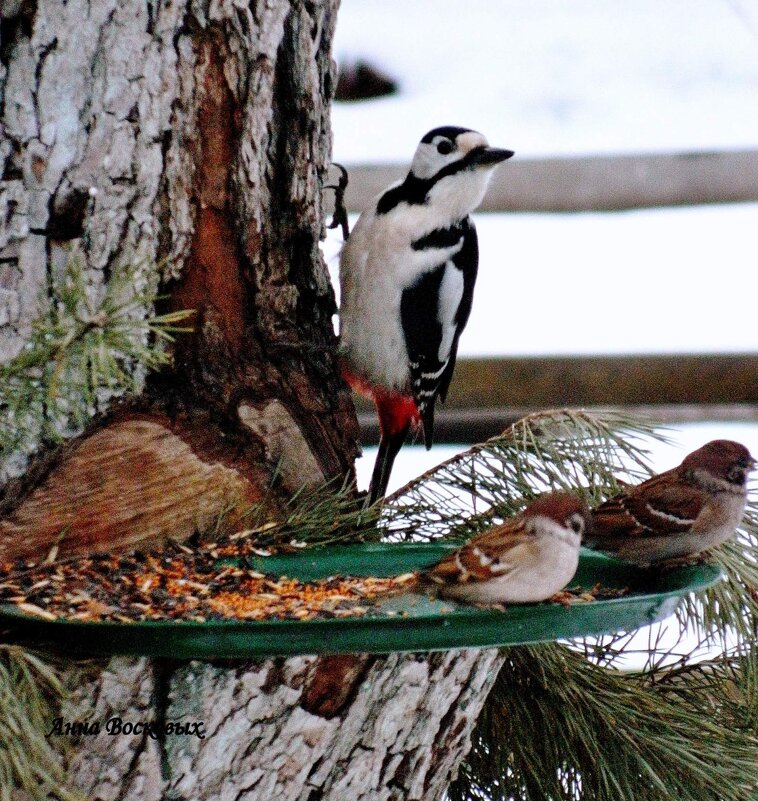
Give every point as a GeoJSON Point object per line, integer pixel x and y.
{"type": "Point", "coordinates": [195, 136]}
{"type": "Point", "coordinates": [301, 729]}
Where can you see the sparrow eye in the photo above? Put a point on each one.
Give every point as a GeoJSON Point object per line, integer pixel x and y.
{"type": "Point", "coordinates": [445, 147]}
{"type": "Point", "coordinates": [736, 475]}
{"type": "Point", "coordinates": [576, 524]}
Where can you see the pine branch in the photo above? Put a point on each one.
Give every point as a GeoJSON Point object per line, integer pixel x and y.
{"type": "Point", "coordinates": [558, 449]}
{"type": "Point", "coordinates": [469, 492]}
{"type": "Point", "coordinates": [78, 356]}
{"type": "Point", "coordinates": [563, 722]}
{"type": "Point", "coordinates": [726, 686]}
{"type": "Point", "coordinates": [559, 728]}
{"type": "Point", "coordinates": [29, 692]}
{"type": "Point", "coordinates": [730, 609]}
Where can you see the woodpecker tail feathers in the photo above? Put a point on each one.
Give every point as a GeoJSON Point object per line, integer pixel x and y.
{"type": "Point", "coordinates": [389, 447]}
{"type": "Point", "coordinates": [398, 414]}
{"type": "Point", "coordinates": [427, 419]}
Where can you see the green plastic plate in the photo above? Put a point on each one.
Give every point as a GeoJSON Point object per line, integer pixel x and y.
{"type": "Point", "coordinates": [422, 624]}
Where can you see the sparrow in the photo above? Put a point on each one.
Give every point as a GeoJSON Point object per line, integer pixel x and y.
{"type": "Point", "coordinates": [527, 559]}
{"type": "Point", "coordinates": [679, 513]}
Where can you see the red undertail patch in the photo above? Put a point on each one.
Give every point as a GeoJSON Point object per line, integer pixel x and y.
{"type": "Point", "coordinates": [397, 412]}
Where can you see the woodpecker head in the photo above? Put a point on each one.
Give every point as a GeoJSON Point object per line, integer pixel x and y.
{"type": "Point", "coordinates": [448, 150]}
{"type": "Point", "coordinates": [454, 165]}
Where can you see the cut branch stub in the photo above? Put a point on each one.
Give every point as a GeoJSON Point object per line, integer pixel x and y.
{"type": "Point", "coordinates": [138, 479]}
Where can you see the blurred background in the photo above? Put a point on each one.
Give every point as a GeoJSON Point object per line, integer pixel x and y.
{"type": "Point", "coordinates": [628, 217]}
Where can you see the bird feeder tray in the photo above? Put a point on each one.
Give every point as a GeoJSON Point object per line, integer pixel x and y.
{"type": "Point", "coordinates": [412, 622]}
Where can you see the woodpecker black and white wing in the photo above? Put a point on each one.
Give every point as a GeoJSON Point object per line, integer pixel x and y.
{"type": "Point", "coordinates": [467, 260]}
{"type": "Point", "coordinates": [434, 311]}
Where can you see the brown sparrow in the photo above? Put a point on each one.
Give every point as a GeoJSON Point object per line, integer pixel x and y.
{"type": "Point", "coordinates": [679, 513]}
{"type": "Point", "coordinates": [527, 559]}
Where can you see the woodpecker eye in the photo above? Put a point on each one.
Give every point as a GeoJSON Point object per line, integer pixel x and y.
{"type": "Point", "coordinates": [445, 147]}
{"type": "Point", "coordinates": [576, 524]}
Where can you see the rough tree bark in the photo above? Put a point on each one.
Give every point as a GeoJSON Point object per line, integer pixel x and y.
{"type": "Point", "coordinates": [195, 135]}
{"type": "Point", "coordinates": [198, 139]}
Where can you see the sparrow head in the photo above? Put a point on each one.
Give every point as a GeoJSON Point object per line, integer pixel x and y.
{"type": "Point", "coordinates": [449, 150]}
{"type": "Point", "coordinates": [723, 459]}
{"type": "Point", "coordinates": [569, 511]}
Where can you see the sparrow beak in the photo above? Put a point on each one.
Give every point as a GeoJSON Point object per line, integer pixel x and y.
{"type": "Point", "coordinates": [485, 156]}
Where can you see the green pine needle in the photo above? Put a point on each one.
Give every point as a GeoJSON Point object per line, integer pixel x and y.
{"type": "Point", "coordinates": [559, 728]}
{"type": "Point", "coordinates": [731, 607]}
{"type": "Point", "coordinates": [30, 691]}
{"type": "Point", "coordinates": [78, 355]}
{"type": "Point", "coordinates": [318, 516]}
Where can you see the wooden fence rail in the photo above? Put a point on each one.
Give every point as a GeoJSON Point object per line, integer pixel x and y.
{"type": "Point", "coordinates": [488, 394]}
{"type": "Point", "coordinates": [595, 183]}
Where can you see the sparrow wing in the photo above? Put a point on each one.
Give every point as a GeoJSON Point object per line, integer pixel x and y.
{"type": "Point", "coordinates": [662, 505]}
{"type": "Point", "coordinates": [484, 557]}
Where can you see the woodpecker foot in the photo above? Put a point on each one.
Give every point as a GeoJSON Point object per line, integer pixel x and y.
{"type": "Point", "coordinates": [339, 218]}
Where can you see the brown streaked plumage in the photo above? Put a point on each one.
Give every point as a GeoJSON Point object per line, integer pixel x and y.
{"type": "Point", "coordinates": [527, 559]}
{"type": "Point", "coordinates": [679, 513]}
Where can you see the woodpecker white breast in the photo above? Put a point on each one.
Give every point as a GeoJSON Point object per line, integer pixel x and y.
{"type": "Point", "coordinates": [408, 269]}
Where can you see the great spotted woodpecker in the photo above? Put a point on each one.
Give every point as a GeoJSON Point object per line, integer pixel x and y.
{"type": "Point", "coordinates": [407, 274]}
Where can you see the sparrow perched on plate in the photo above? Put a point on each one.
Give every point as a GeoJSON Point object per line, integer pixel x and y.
{"type": "Point", "coordinates": [527, 559]}
{"type": "Point", "coordinates": [679, 513]}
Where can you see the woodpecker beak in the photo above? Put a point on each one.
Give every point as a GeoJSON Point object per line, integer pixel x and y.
{"type": "Point", "coordinates": [484, 156]}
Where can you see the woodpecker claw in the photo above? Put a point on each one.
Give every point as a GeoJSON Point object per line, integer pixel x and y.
{"type": "Point", "coordinates": [343, 179]}
{"type": "Point", "coordinates": [339, 218]}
